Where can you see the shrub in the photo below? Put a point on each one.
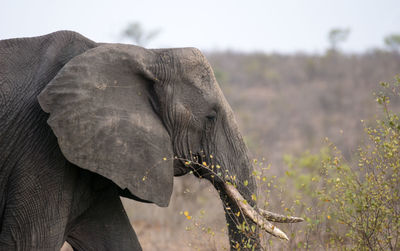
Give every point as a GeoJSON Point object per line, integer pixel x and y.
{"type": "Point", "coordinates": [351, 205]}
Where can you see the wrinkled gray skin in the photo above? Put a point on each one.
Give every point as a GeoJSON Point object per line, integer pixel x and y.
{"type": "Point", "coordinates": [82, 123]}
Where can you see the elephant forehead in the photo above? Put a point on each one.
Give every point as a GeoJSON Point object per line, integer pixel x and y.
{"type": "Point", "coordinates": [197, 67]}
{"type": "Point", "coordinates": [200, 75]}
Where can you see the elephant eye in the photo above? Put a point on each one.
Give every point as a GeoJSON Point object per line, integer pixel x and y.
{"type": "Point", "coordinates": [212, 116]}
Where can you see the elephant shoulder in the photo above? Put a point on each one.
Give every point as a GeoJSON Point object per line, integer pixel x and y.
{"type": "Point", "coordinates": [13, 44]}
{"type": "Point", "coordinates": [29, 59]}
{"type": "Point", "coordinates": [30, 63]}
{"type": "Point", "coordinates": [27, 65]}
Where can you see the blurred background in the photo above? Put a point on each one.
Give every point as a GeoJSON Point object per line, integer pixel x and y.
{"type": "Point", "coordinates": [294, 72]}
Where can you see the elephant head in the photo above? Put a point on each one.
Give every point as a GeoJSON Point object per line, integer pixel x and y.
{"type": "Point", "coordinates": [138, 117]}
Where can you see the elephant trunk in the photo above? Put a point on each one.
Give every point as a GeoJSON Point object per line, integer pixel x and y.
{"type": "Point", "coordinates": [242, 217]}
{"type": "Point", "coordinates": [238, 236]}
{"type": "Point", "coordinates": [237, 186]}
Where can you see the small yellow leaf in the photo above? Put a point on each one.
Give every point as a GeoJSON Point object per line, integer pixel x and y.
{"type": "Point", "coordinates": [253, 197]}
{"type": "Point", "coordinates": [204, 163]}
{"type": "Point", "coordinates": [164, 158]}
{"type": "Point", "coordinates": [329, 217]}
{"type": "Point", "coordinates": [245, 183]}
{"type": "Point", "coordinates": [218, 166]}
{"type": "Point", "coordinates": [186, 213]}
{"type": "Point", "coordinates": [238, 214]}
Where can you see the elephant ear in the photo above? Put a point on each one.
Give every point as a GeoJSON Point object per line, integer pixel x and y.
{"type": "Point", "coordinates": [101, 112]}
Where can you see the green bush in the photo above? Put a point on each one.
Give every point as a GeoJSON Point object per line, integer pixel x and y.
{"type": "Point", "coordinates": [351, 205]}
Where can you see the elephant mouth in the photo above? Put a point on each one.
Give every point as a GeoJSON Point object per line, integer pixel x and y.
{"type": "Point", "coordinates": [259, 216]}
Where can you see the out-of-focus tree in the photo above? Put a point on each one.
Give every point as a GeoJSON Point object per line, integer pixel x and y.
{"type": "Point", "coordinates": [138, 35]}
{"type": "Point", "coordinates": [337, 36]}
{"type": "Point", "coordinates": [392, 41]}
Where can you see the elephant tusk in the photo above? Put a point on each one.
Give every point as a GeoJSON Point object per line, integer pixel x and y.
{"type": "Point", "coordinates": [278, 217]}
{"type": "Point", "coordinates": [252, 213]}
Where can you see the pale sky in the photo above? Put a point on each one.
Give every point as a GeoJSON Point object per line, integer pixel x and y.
{"type": "Point", "coordinates": [268, 26]}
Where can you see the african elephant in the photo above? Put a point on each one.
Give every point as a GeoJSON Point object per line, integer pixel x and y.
{"type": "Point", "coordinates": [83, 123]}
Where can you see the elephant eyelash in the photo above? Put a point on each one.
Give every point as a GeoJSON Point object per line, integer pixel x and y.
{"type": "Point", "coordinates": [211, 117]}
